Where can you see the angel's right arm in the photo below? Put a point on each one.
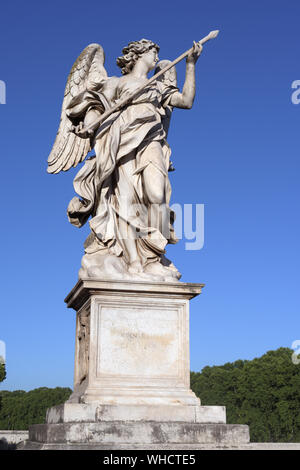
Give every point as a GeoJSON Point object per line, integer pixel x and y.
{"type": "Point", "coordinates": [186, 98]}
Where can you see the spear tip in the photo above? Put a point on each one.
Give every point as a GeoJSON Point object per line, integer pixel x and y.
{"type": "Point", "coordinates": [214, 34]}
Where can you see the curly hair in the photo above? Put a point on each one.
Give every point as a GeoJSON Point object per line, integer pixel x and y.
{"type": "Point", "coordinates": [132, 52]}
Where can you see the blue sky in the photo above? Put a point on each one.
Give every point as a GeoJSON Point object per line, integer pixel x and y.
{"type": "Point", "coordinates": [236, 152]}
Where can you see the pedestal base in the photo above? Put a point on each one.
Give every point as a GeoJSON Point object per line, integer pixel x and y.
{"type": "Point", "coordinates": [132, 374]}
{"type": "Point", "coordinates": [134, 435]}
{"type": "Point", "coordinates": [95, 412]}
{"type": "Point", "coordinates": [132, 344]}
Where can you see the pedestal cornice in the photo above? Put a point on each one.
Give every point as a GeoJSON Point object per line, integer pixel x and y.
{"type": "Point", "coordinates": [84, 288]}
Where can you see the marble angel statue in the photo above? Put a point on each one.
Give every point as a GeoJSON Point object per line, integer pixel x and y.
{"type": "Point", "coordinates": [124, 188]}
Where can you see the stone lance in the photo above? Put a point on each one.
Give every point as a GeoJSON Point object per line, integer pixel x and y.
{"type": "Point", "coordinates": [125, 101]}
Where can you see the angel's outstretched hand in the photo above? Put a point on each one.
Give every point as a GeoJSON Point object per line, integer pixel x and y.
{"type": "Point", "coordinates": [195, 53]}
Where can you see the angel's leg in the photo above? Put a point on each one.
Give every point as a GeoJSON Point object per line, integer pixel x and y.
{"type": "Point", "coordinates": [126, 201]}
{"type": "Point", "coordinates": [154, 180]}
{"type": "Point", "coordinates": [130, 246]}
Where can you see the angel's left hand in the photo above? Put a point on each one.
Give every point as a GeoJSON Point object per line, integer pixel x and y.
{"type": "Point", "coordinates": [195, 53]}
{"type": "Point", "coordinates": [81, 131]}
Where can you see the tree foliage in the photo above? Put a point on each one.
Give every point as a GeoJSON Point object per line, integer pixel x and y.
{"type": "Point", "coordinates": [21, 409]}
{"type": "Point", "coordinates": [2, 370]}
{"type": "Point", "coordinates": [263, 393]}
{"type": "Point", "coordinates": [2, 374]}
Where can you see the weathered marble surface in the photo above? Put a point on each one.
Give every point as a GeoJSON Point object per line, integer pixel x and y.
{"type": "Point", "coordinates": [115, 435]}
{"type": "Point", "coordinates": [93, 412]}
{"type": "Point", "coordinates": [132, 347]}
{"type": "Point", "coordinates": [9, 439]}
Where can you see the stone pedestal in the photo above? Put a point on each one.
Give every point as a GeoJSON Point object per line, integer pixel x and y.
{"type": "Point", "coordinates": [132, 373]}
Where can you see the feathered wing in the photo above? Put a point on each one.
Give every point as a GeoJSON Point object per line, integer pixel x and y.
{"type": "Point", "coordinates": [69, 149]}
{"type": "Point", "coordinates": [169, 79]}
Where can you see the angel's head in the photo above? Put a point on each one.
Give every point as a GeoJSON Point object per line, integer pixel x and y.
{"type": "Point", "coordinates": [136, 50]}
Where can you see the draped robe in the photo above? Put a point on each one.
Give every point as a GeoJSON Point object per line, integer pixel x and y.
{"type": "Point", "coordinates": [110, 184]}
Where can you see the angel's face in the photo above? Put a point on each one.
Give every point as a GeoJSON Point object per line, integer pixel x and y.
{"type": "Point", "coordinates": [150, 58]}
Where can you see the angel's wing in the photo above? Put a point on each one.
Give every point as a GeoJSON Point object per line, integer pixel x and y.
{"type": "Point", "coordinates": [69, 149]}
{"type": "Point", "coordinates": [169, 78]}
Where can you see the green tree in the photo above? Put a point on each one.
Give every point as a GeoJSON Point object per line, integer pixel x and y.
{"type": "Point", "coordinates": [2, 369]}
{"type": "Point", "coordinates": [20, 409]}
{"type": "Point", "coordinates": [263, 393]}
{"type": "Point", "coordinates": [2, 373]}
